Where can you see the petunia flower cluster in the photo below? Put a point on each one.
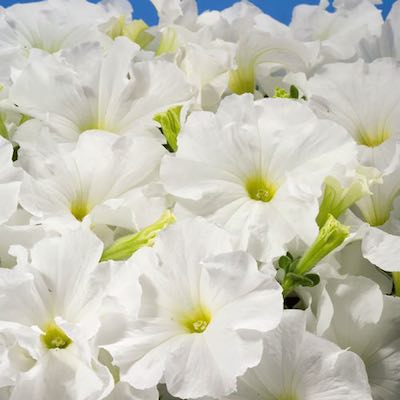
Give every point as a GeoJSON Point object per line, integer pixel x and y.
{"type": "Point", "coordinates": [208, 208]}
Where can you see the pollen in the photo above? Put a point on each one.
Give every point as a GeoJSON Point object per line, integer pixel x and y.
{"type": "Point", "coordinates": [196, 321]}
{"type": "Point", "coordinates": [55, 338]}
{"type": "Point", "coordinates": [259, 189]}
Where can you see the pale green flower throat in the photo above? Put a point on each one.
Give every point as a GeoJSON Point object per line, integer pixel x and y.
{"type": "Point", "coordinates": [260, 189]}
{"type": "Point", "coordinates": [54, 337]}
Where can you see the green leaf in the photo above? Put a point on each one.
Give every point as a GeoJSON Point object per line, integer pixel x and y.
{"type": "Point", "coordinates": [285, 263]}
{"type": "Point", "coordinates": [314, 278]}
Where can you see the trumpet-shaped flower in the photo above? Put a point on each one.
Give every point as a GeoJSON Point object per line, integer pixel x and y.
{"type": "Point", "coordinates": [94, 92]}
{"type": "Point", "coordinates": [54, 25]}
{"type": "Point", "coordinates": [380, 209]}
{"type": "Point", "coordinates": [202, 311]}
{"type": "Point", "coordinates": [297, 365]}
{"type": "Point", "coordinates": [107, 179]}
{"type": "Point", "coordinates": [257, 169]}
{"type": "Point", "coordinates": [387, 44]}
{"type": "Point", "coordinates": [258, 49]}
{"type": "Point", "coordinates": [365, 321]}
{"type": "Point", "coordinates": [233, 22]}
{"type": "Point", "coordinates": [339, 33]}
{"type": "Point", "coordinates": [361, 97]}
{"type": "Point", "coordinates": [50, 313]}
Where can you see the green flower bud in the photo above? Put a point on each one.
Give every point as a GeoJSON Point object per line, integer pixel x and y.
{"type": "Point", "coordinates": [124, 247]}
{"type": "Point", "coordinates": [330, 236]}
{"type": "Point", "coordinates": [170, 122]}
{"type": "Point", "coordinates": [336, 199]}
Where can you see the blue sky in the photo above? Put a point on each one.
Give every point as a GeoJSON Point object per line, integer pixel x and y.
{"type": "Point", "coordinates": [279, 9]}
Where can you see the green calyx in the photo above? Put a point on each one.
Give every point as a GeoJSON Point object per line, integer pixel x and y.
{"type": "Point", "coordinates": [291, 278]}
{"type": "Point", "coordinates": [296, 271]}
{"type": "Point", "coordinates": [54, 337]}
{"type": "Point", "coordinates": [170, 122]}
{"type": "Point", "coordinates": [124, 247]}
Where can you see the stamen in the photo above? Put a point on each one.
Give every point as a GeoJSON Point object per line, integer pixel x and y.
{"type": "Point", "coordinates": [259, 189]}
{"type": "Point", "coordinates": [196, 321]}
{"type": "Point", "coordinates": [55, 338]}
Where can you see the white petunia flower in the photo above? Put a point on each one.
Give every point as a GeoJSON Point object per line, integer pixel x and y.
{"type": "Point", "coordinates": [385, 44]}
{"type": "Point", "coordinates": [297, 365]}
{"type": "Point", "coordinates": [376, 207]}
{"type": "Point", "coordinates": [380, 209]}
{"type": "Point", "coordinates": [207, 67]}
{"type": "Point", "coordinates": [106, 179]}
{"type": "Point", "coordinates": [231, 23]}
{"type": "Point", "coordinates": [339, 33]}
{"type": "Point", "coordinates": [202, 311]}
{"type": "Point", "coordinates": [382, 249]}
{"type": "Point", "coordinates": [51, 307]}
{"type": "Point", "coordinates": [374, 47]}
{"type": "Point", "coordinates": [95, 92]}
{"type": "Point", "coordinates": [260, 53]}
{"type": "Point", "coordinates": [367, 322]}
{"type": "Point", "coordinates": [363, 98]}
{"type": "Point", "coordinates": [55, 25]}
{"type": "Point", "coordinates": [257, 169]}
{"type": "Point", "coordinates": [176, 11]}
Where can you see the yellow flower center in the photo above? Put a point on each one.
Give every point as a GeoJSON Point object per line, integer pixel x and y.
{"type": "Point", "coordinates": [196, 321]}
{"type": "Point", "coordinates": [372, 140]}
{"type": "Point", "coordinates": [55, 338]}
{"type": "Point", "coordinates": [79, 208]}
{"type": "Point", "coordinates": [95, 124]}
{"type": "Point", "coordinates": [259, 189]}
{"type": "Point", "coordinates": [287, 397]}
